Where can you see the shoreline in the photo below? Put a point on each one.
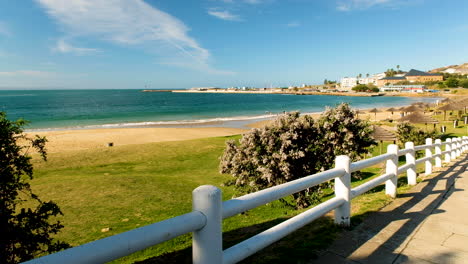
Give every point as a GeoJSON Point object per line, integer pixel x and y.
{"type": "Point", "coordinates": [387, 94]}
{"type": "Point", "coordinates": [62, 140]}
{"type": "Point", "coordinates": [242, 122]}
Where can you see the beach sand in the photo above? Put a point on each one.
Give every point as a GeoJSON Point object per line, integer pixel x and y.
{"type": "Point", "coordinates": [366, 115]}
{"type": "Point", "coordinates": [70, 140]}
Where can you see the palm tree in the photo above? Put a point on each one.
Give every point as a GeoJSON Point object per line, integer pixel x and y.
{"type": "Point", "coordinates": [398, 68]}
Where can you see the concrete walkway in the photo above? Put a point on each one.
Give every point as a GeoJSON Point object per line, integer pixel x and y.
{"type": "Point", "coordinates": [427, 225]}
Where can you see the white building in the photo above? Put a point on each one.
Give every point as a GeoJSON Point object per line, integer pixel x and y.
{"type": "Point", "coordinates": [347, 83]}
{"type": "Point", "coordinates": [403, 88]}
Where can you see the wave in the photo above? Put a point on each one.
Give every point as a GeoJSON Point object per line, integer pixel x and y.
{"type": "Point", "coordinates": [16, 95]}
{"type": "Point", "coordinates": [181, 123]}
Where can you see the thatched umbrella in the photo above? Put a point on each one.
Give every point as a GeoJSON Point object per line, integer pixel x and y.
{"type": "Point", "coordinates": [412, 108]}
{"type": "Point", "coordinates": [401, 109]}
{"type": "Point", "coordinates": [381, 134]}
{"type": "Point", "coordinates": [463, 103]}
{"type": "Point", "coordinates": [391, 109]}
{"type": "Point", "coordinates": [359, 112]}
{"type": "Point", "coordinates": [375, 111]}
{"type": "Point", "coordinates": [450, 107]}
{"type": "Point", "coordinates": [419, 118]}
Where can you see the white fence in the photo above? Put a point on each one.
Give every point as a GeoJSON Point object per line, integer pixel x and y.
{"type": "Point", "coordinates": [205, 221]}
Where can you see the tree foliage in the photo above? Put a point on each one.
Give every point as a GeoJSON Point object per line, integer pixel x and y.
{"type": "Point", "coordinates": [408, 133]}
{"type": "Point", "coordinates": [464, 83]}
{"type": "Point", "coordinates": [390, 72]}
{"type": "Point", "coordinates": [294, 146]}
{"type": "Point", "coordinates": [365, 88]}
{"type": "Point", "coordinates": [343, 133]}
{"type": "Point", "coordinates": [451, 82]}
{"type": "Point", "coordinates": [26, 232]}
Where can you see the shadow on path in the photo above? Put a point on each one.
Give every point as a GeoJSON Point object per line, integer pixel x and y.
{"type": "Point", "coordinates": [383, 234]}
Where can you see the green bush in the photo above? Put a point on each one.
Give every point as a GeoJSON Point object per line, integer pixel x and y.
{"type": "Point", "coordinates": [295, 146]}
{"type": "Point", "coordinates": [408, 133]}
{"type": "Point", "coordinates": [25, 232]}
{"type": "Point", "coordinates": [452, 82]}
{"type": "Point", "coordinates": [464, 83]}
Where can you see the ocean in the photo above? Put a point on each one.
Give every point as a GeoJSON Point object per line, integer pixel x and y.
{"type": "Point", "coordinates": [78, 109]}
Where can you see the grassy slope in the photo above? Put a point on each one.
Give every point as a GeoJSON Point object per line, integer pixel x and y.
{"type": "Point", "coordinates": [130, 186]}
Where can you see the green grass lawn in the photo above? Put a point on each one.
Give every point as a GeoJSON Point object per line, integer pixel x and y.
{"type": "Point", "coordinates": [126, 187]}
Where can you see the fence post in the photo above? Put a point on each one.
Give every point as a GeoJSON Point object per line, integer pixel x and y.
{"type": "Point", "coordinates": [392, 167]}
{"type": "Point", "coordinates": [207, 243]}
{"type": "Point", "coordinates": [465, 139]}
{"type": "Point", "coordinates": [438, 153]}
{"type": "Point", "coordinates": [453, 153]}
{"type": "Point", "coordinates": [411, 159]}
{"type": "Point", "coordinates": [448, 147]}
{"type": "Point", "coordinates": [428, 155]}
{"type": "Point", "coordinates": [343, 190]}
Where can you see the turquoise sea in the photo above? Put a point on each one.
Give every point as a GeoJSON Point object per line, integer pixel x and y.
{"type": "Point", "coordinates": [58, 109]}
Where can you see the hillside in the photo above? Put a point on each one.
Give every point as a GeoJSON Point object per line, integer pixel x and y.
{"type": "Point", "coordinates": [460, 69]}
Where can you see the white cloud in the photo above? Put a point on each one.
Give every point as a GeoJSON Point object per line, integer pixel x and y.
{"type": "Point", "coordinates": [64, 47]}
{"type": "Point", "coordinates": [29, 73]}
{"type": "Point", "coordinates": [4, 30]}
{"type": "Point", "coordinates": [224, 15]}
{"type": "Point", "coordinates": [348, 5]}
{"type": "Point", "coordinates": [293, 24]}
{"type": "Point", "coordinates": [253, 2]}
{"type": "Point", "coordinates": [127, 23]}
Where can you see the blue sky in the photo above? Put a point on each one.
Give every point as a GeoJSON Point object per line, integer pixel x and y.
{"type": "Point", "coordinates": [181, 44]}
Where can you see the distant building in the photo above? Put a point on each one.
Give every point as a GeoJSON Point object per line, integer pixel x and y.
{"type": "Point", "coordinates": [411, 76]}
{"type": "Point", "coordinates": [420, 76]}
{"type": "Point", "coordinates": [403, 88]}
{"type": "Point", "coordinates": [389, 80]}
{"type": "Point", "coordinates": [347, 83]}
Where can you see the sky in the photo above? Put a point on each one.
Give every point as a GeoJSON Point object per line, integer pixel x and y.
{"type": "Point", "coordinates": [137, 44]}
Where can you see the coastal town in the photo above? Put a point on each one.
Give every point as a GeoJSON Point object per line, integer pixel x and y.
{"type": "Point", "coordinates": [390, 82]}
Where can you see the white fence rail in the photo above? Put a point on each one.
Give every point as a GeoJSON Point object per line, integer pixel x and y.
{"type": "Point", "coordinates": [205, 221]}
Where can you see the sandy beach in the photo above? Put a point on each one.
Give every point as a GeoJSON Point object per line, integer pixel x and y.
{"type": "Point", "coordinates": [71, 140]}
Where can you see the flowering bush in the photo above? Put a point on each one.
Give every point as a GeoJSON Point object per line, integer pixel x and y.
{"type": "Point", "coordinates": [295, 146]}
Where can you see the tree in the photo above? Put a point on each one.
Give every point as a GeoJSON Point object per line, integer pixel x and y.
{"type": "Point", "coordinates": [441, 85]}
{"type": "Point", "coordinates": [451, 82]}
{"type": "Point", "coordinates": [365, 88]}
{"type": "Point", "coordinates": [26, 232]}
{"type": "Point", "coordinates": [360, 88]}
{"type": "Point", "coordinates": [398, 68]}
{"type": "Point", "coordinates": [464, 83]}
{"type": "Point", "coordinates": [373, 88]}
{"type": "Point", "coordinates": [408, 133]}
{"type": "Point", "coordinates": [295, 146]}
{"type": "Point", "coordinates": [390, 73]}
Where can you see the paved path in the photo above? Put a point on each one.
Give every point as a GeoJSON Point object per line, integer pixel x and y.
{"type": "Point", "coordinates": [427, 225]}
